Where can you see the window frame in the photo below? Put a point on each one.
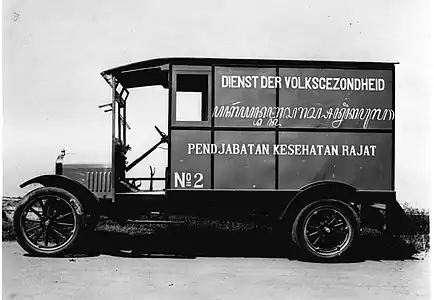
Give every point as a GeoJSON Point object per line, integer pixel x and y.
{"type": "Point", "coordinates": [190, 70]}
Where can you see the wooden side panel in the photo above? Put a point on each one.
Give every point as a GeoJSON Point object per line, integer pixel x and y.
{"type": "Point", "coordinates": [359, 159]}
{"type": "Point", "coordinates": [235, 168]}
{"type": "Point", "coordinates": [189, 171]}
{"type": "Point", "coordinates": [359, 99]}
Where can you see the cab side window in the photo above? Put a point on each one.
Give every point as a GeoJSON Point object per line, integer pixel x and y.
{"type": "Point", "coordinates": [192, 94]}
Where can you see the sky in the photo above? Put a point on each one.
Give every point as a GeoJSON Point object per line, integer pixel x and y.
{"type": "Point", "coordinates": [53, 53]}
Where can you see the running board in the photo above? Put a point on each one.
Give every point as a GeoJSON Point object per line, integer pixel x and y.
{"type": "Point", "coordinates": [154, 222]}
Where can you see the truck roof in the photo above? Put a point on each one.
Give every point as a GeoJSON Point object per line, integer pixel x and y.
{"type": "Point", "coordinates": [153, 71]}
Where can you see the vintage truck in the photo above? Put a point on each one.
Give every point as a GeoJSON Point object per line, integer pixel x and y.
{"type": "Point", "coordinates": [306, 146]}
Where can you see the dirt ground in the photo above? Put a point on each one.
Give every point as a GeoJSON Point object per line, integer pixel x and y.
{"type": "Point", "coordinates": [171, 277]}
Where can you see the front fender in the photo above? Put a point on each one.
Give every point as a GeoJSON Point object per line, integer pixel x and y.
{"type": "Point", "coordinates": [48, 180]}
{"type": "Point", "coordinates": [81, 192]}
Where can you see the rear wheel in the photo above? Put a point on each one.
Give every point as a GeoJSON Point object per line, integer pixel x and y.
{"type": "Point", "coordinates": [48, 221]}
{"type": "Point", "coordinates": [326, 230]}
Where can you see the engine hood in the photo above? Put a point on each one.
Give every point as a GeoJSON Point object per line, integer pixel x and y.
{"type": "Point", "coordinates": [74, 166]}
{"type": "Point", "coordinates": [96, 177]}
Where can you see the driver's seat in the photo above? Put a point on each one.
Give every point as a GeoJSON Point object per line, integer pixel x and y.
{"type": "Point", "coordinates": [126, 187]}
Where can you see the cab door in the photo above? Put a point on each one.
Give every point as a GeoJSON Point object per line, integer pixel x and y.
{"type": "Point", "coordinates": [190, 123]}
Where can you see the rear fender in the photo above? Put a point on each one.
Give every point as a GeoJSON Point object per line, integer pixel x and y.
{"type": "Point", "coordinates": [89, 201]}
{"type": "Point", "coordinates": [319, 190]}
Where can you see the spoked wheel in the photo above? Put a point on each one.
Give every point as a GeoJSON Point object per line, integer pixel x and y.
{"type": "Point", "coordinates": [326, 229]}
{"type": "Point", "coordinates": [48, 221]}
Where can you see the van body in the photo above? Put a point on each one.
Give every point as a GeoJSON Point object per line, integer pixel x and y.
{"type": "Point", "coordinates": [296, 144]}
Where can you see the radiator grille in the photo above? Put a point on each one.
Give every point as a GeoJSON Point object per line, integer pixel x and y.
{"type": "Point", "coordinates": [99, 182]}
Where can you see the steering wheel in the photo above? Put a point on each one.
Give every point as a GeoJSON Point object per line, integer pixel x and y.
{"type": "Point", "coordinates": [164, 137]}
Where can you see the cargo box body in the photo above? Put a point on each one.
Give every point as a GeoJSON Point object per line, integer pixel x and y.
{"type": "Point", "coordinates": [262, 132]}
{"type": "Point", "coordinates": [283, 128]}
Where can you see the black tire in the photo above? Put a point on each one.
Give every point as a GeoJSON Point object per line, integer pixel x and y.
{"type": "Point", "coordinates": [48, 222]}
{"type": "Point", "coordinates": [325, 230]}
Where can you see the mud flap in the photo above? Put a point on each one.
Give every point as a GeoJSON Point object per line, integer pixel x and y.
{"type": "Point", "coordinates": [397, 221]}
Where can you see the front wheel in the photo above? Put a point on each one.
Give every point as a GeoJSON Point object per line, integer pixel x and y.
{"type": "Point", "coordinates": [326, 229]}
{"type": "Point", "coordinates": [48, 221]}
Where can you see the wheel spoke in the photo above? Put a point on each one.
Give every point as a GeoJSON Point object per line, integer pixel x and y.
{"type": "Point", "coordinates": [59, 234]}
{"type": "Point", "coordinates": [63, 216]}
{"type": "Point", "coordinates": [64, 224]}
{"type": "Point", "coordinates": [36, 212]}
{"type": "Point", "coordinates": [41, 204]}
{"type": "Point", "coordinates": [313, 233]}
{"type": "Point", "coordinates": [39, 235]}
{"type": "Point", "coordinates": [33, 228]}
{"type": "Point", "coordinates": [313, 226]}
{"type": "Point", "coordinates": [316, 240]}
{"type": "Point", "coordinates": [331, 221]}
{"type": "Point", "coordinates": [32, 221]}
{"type": "Point", "coordinates": [339, 224]}
{"type": "Point", "coordinates": [46, 238]}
